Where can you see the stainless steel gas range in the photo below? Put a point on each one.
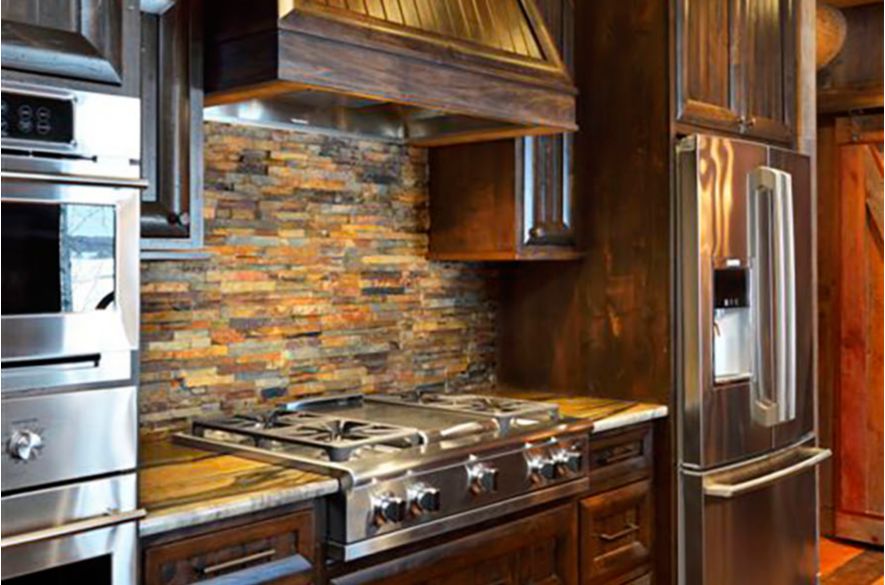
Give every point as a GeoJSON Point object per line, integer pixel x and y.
{"type": "Point", "coordinates": [416, 464]}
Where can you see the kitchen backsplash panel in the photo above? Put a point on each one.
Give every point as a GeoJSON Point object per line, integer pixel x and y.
{"type": "Point", "coordinates": [316, 281]}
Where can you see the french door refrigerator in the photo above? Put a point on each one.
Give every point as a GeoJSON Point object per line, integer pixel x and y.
{"type": "Point", "coordinates": [746, 440]}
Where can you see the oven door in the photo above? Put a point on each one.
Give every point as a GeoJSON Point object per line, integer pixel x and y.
{"type": "Point", "coordinates": [84, 533]}
{"type": "Point", "coordinates": [69, 279]}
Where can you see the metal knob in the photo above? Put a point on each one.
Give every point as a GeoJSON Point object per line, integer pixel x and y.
{"type": "Point", "coordinates": [424, 499]}
{"type": "Point", "coordinates": [24, 445]}
{"type": "Point", "coordinates": [483, 479]}
{"type": "Point", "coordinates": [542, 468]}
{"type": "Point", "coordinates": [569, 460]}
{"type": "Point", "coordinates": [389, 508]}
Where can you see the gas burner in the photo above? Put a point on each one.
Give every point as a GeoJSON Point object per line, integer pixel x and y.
{"type": "Point", "coordinates": [507, 412]}
{"type": "Point", "coordinates": [331, 438]}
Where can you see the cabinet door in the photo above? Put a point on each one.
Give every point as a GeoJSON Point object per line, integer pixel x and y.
{"type": "Point", "coordinates": [79, 39]}
{"type": "Point", "coordinates": [767, 69]}
{"type": "Point", "coordinates": [706, 93]}
{"type": "Point", "coordinates": [616, 529]}
{"type": "Point", "coordinates": [546, 200]}
{"type": "Point", "coordinates": [172, 128]}
{"type": "Point", "coordinates": [538, 549]}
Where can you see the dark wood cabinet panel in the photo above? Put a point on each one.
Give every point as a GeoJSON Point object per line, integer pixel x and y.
{"type": "Point", "coordinates": [539, 549]}
{"type": "Point", "coordinates": [704, 47]}
{"type": "Point", "coordinates": [502, 200]}
{"type": "Point", "coordinates": [172, 127]}
{"type": "Point", "coordinates": [767, 68]}
{"type": "Point", "coordinates": [90, 41]}
{"type": "Point", "coordinates": [616, 534]}
{"type": "Point", "coordinates": [736, 66]}
{"type": "Point", "coordinates": [234, 550]}
{"type": "Point", "coordinates": [619, 457]}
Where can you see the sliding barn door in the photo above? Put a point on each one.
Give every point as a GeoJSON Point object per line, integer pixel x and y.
{"type": "Point", "coordinates": [853, 315]}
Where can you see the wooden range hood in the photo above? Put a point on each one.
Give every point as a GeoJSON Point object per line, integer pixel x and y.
{"type": "Point", "coordinates": [424, 72]}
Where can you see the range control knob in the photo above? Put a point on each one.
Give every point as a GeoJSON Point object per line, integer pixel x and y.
{"type": "Point", "coordinates": [542, 468]}
{"type": "Point", "coordinates": [568, 460]}
{"type": "Point", "coordinates": [24, 445]}
{"type": "Point", "coordinates": [423, 499]}
{"type": "Point", "coordinates": [483, 479]}
{"type": "Point", "coordinates": [389, 508]}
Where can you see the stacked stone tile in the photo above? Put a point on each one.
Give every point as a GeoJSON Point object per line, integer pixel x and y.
{"type": "Point", "coordinates": [317, 280]}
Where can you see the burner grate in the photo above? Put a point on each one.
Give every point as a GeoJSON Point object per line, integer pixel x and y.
{"type": "Point", "coordinates": [334, 438]}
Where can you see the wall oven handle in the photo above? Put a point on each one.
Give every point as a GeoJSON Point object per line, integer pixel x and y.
{"type": "Point", "coordinates": [731, 490]}
{"type": "Point", "coordinates": [93, 523]}
{"type": "Point", "coordinates": [74, 180]}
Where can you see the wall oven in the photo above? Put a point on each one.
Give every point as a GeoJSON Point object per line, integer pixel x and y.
{"type": "Point", "coordinates": [70, 205]}
{"type": "Point", "coordinates": [70, 234]}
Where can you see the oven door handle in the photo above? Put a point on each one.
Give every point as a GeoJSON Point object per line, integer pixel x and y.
{"type": "Point", "coordinates": [74, 180]}
{"type": "Point", "coordinates": [93, 523]}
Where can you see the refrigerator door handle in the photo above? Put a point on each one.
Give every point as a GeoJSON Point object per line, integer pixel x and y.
{"type": "Point", "coordinates": [773, 295]}
{"type": "Point", "coordinates": [811, 456]}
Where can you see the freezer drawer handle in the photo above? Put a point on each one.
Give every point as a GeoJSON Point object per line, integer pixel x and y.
{"type": "Point", "coordinates": [94, 523]}
{"type": "Point", "coordinates": [724, 490]}
{"type": "Point", "coordinates": [630, 529]}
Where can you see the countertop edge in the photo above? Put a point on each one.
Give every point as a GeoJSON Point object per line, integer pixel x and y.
{"type": "Point", "coordinates": [191, 515]}
{"type": "Point", "coordinates": [638, 414]}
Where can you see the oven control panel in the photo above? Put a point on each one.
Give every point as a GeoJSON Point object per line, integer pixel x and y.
{"type": "Point", "coordinates": [37, 118]}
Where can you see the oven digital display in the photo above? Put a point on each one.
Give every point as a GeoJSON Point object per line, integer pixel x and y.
{"type": "Point", "coordinates": [37, 118]}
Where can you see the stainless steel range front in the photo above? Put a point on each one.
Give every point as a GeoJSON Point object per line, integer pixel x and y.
{"type": "Point", "coordinates": [70, 205]}
{"type": "Point", "coordinates": [414, 465]}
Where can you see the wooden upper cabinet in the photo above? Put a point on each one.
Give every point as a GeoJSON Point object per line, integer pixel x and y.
{"type": "Point", "coordinates": [92, 41]}
{"type": "Point", "coordinates": [502, 200]}
{"type": "Point", "coordinates": [706, 89]}
{"type": "Point", "coordinates": [736, 66]}
{"type": "Point", "coordinates": [767, 67]}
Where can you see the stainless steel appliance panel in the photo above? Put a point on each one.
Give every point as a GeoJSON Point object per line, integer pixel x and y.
{"type": "Point", "coordinates": [52, 335]}
{"type": "Point", "coordinates": [718, 425]}
{"type": "Point", "coordinates": [63, 528]}
{"type": "Point", "coordinates": [106, 139]}
{"type": "Point", "coordinates": [754, 522]}
{"type": "Point", "coordinates": [803, 423]}
{"type": "Point", "coordinates": [65, 436]}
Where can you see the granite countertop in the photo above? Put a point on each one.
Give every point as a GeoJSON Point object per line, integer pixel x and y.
{"type": "Point", "coordinates": [606, 413]}
{"type": "Point", "coordinates": [180, 486]}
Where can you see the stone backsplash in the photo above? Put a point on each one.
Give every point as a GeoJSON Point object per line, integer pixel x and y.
{"type": "Point", "coordinates": [316, 280]}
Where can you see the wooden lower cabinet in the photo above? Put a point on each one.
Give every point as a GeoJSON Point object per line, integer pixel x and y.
{"type": "Point", "coordinates": [616, 534]}
{"type": "Point", "coordinates": [249, 553]}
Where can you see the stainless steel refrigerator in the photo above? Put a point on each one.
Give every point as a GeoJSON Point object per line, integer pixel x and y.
{"type": "Point", "coordinates": [745, 329]}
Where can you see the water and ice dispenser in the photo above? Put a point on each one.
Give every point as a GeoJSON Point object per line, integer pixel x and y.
{"type": "Point", "coordinates": [732, 325]}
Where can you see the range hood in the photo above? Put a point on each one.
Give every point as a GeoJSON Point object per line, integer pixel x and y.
{"type": "Point", "coordinates": [424, 72]}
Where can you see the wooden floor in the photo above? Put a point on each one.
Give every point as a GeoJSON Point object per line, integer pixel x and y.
{"type": "Point", "coordinates": [845, 563]}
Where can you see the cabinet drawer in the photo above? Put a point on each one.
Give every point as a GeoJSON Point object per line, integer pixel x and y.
{"type": "Point", "coordinates": [616, 529]}
{"type": "Point", "coordinates": [620, 457]}
{"type": "Point", "coordinates": [227, 551]}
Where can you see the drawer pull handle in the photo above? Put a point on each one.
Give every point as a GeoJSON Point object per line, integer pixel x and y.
{"type": "Point", "coordinates": [630, 529]}
{"type": "Point", "coordinates": [261, 555]}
